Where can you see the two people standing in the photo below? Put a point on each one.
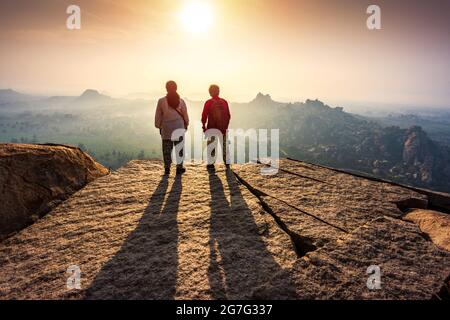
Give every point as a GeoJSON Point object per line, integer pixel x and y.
{"type": "Point", "coordinates": [171, 115]}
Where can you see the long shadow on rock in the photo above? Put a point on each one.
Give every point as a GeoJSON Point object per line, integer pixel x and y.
{"type": "Point", "coordinates": [146, 265]}
{"type": "Point", "coordinates": [240, 263]}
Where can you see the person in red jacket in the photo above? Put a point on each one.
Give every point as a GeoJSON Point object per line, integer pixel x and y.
{"type": "Point", "coordinates": [216, 115]}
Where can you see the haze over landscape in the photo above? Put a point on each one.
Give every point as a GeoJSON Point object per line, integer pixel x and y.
{"type": "Point", "coordinates": [294, 50]}
{"type": "Point", "coordinates": [375, 101]}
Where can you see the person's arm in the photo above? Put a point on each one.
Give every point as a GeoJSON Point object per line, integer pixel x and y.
{"type": "Point", "coordinates": [158, 115]}
{"type": "Point", "coordinates": [227, 110]}
{"type": "Point", "coordinates": [205, 115]}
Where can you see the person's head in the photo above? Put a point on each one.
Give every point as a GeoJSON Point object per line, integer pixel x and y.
{"type": "Point", "coordinates": [171, 86]}
{"type": "Point", "coordinates": [214, 90]}
{"type": "Point", "coordinates": [173, 98]}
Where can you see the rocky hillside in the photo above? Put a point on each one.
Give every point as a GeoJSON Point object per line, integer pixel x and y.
{"type": "Point", "coordinates": [315, 132]}
{"type": "Point", "coordinates": [36, 178]}
{"type": "Point", "coordinates": [306, 233]}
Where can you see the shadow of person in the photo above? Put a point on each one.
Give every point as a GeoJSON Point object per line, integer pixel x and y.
{"type": "Point", "coordinates": [240, 262]}
{"type": "Point", "coordinates": [146, 265]}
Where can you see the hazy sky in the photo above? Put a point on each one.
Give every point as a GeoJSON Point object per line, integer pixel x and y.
{"type": "Point", "coordinates": [291, 49]}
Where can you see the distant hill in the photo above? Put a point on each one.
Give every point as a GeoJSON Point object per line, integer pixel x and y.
{"type": "Point", "coordinates": [20, 101]}
{"type": "Point", "coordinates": [264, 100]}
{"type": "Point", "coordinates": [89, 98]}
{"type": "Point", "coordinates": [92, 96]}
{"type": "Point", "coordinates": [436, 126]}
{"type": "Point", "coordinates": [11, 96]}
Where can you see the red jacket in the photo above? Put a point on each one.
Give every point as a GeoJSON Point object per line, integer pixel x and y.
{"type": "Point", "coordinates": [216, 115]}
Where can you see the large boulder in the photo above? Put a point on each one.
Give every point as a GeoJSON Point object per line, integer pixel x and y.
{"type": "Point", "coordinates": [435, 224]}
{"type": "Point", "coordinates": [36, 178]}
{"type": "Point", "coordinates": [418, 152]}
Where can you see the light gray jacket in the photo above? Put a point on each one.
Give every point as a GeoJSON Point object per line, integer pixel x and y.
{"type": "Point", "coordinates": [168, 120]}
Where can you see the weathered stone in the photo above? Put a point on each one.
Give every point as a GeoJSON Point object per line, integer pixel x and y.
{"type": "Point", "coordinates": [340, 200]}
{"type": "Point", "coordinates": [411, 266]}
{"type": "Point", "coordinates": [136, 234]}
{"type": "Point", "coordinates": [306, 233]}
{"type": "Point", "coordinates": [36, 178]}
{"type": "Point", "coordinates": [435, 224]}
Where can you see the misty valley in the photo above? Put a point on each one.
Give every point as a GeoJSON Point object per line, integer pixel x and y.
{"type": "Point", "coordinates": [409, 149]}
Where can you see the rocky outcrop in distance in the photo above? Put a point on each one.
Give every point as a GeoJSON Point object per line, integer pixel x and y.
{"type": "Point", "coordinates": [315, 132]}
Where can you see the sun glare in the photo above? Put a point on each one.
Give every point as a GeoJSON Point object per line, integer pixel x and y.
{"type": "Point", "coordinates": [196, 17]}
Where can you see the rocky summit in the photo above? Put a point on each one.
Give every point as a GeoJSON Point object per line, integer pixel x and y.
{"type": "Point", "coordinates": [308, 232]}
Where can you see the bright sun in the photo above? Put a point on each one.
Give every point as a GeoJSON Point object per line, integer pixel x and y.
{"type": "Point", "coordinates": [196, 17]}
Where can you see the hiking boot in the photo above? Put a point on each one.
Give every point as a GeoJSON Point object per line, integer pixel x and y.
{"type": "Point", "coordinates": [181, 170]}
{"type": "Point", "coordinates": [210, 167]}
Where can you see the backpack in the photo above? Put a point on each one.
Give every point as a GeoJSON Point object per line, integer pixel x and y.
{"type": "Point", "coordinates": [217, 116]}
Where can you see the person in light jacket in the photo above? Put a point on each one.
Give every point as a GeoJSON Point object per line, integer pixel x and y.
{"type": "Point", "coordinates": [171, 114]}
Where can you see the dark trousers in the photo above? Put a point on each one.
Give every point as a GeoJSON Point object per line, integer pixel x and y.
{"type": "Point", "coordinates": [167, 146]}
{"type": "Point", "coordinates": [214, 145]}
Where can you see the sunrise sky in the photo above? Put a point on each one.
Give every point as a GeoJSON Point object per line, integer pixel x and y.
{"type": "Point", "coordinates": [293, 50]}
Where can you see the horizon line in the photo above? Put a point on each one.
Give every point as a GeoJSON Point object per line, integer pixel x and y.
{"type": "Point", "coordinates": [149, 97]}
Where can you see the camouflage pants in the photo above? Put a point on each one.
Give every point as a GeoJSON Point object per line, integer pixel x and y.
{"type": "Point", "coordinates": [167, 146]}
{"type": "Point", "coordinates": [212, 145]}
